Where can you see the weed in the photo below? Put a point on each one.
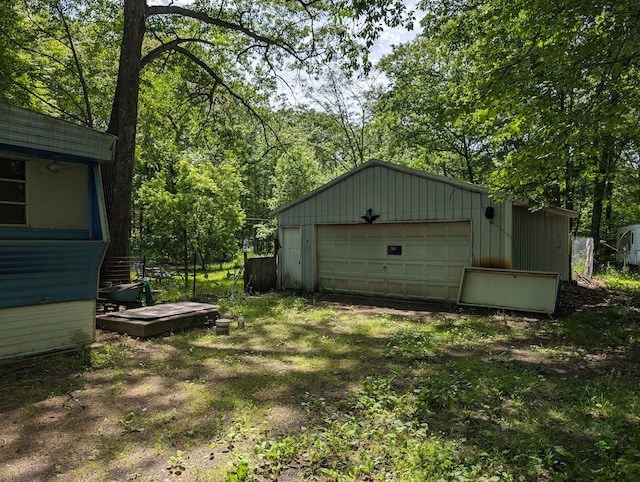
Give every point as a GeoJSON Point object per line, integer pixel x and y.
{"type": "Point", "coordinates": [127, 424]}
{"type": "Point", "coordinates": [176, 464]}
{"type": "Point", "coordinates": [410, 345]}
{"type": "Point", "coordinates": [240, 472]}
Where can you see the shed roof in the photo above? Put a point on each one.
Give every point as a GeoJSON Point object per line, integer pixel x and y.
{"type": "Point", "coordinates": [415, 172]}
{"type": "Point", "coordinates": [532, 206]}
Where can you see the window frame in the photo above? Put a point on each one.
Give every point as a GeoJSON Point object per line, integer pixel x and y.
{"type": "Point", "coordinates": [24, 203]}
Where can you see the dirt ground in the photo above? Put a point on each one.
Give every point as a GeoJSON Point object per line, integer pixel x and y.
{"type": "Point", "coordinates": [581, 296]}
{"type": "Point", "coordinates": [36, 436]}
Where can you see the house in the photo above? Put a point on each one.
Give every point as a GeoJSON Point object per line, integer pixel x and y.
{"type": "Point", "coordinates": [391, 231]}
{"type": "Point", "coordinates": [628, 246]}
{"type": "Point", "coordinates": [53, 231]}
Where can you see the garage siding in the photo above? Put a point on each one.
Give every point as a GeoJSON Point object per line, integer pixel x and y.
{"type": "Point", "coordinates": [394, 195]}
{"type": "Point", "coordinates": [541, 242]}
{"type": "Point", "coordinates": [413, 261]}
{"type": "Point", "coordinates": [398, 195]}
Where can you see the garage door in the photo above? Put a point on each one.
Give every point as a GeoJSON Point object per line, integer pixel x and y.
{"type": "Point", "coordinates": [413, 261]}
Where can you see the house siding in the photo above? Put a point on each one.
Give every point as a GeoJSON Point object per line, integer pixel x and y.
{"type": "Point", "coordinates": [57, 200]}
{"type": "Point", "coordinates": [28, 330]}
{"type": "Point", "coordinates": [37, 272]}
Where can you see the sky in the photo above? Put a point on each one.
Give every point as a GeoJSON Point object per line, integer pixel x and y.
{"type": "Point", "coordinates": [390, 37]}
{"type": "Point", "coordinates": [396, 36]}
{"type": "Point", "coordinates": [384, 46]}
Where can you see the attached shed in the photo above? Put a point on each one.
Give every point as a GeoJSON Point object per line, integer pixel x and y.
{"type": "Point", "coordinates": [388, 230]}
{"type": "Point", "coordinates": [53, 231]}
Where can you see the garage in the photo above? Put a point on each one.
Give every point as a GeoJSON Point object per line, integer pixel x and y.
{"type": "Point", "coordinates": [395, 260]}
{"type": "Point", "coordinates": [386, 230]}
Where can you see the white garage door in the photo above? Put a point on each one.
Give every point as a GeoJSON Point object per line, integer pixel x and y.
{"type": "Point", "coordinates": [414, 261]}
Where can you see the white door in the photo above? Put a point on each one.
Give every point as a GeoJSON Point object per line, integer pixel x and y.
{"type": "Point", "coordinates": [408, 260]}
{"type": "Point", "coordinates": [292, 258]}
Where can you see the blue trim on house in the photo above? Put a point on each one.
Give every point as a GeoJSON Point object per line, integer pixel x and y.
{"type": "Point", "coordinates": [22, 233]}
{"type": "Point", "coordinates": [52, 155]}
{"type": "Point", "coordinates": [35, 272]}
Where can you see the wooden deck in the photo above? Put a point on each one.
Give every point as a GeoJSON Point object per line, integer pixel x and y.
{"type": "Point", "coordinates": [156, 320]}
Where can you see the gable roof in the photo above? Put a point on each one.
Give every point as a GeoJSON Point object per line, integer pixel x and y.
{"type": "Point", "coordinates": [424, 174]}
{"type": "Point", "coordinates": [377, 163]}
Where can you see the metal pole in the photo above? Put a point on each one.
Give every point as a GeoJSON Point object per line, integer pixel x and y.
{"type": "Point", "coordinates": [194, 275]}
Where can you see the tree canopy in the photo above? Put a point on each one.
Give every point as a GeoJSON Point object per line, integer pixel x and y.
{"type": "Point", "coordinates": [227, 49]}
{"type": "Point", "coordinates": [540, 99]}
{"type": "Point", "coordinates": [536, 100]}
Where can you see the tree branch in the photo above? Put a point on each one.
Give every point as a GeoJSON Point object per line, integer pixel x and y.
{"type": "Point", "coordinates": [76, 59]}
{"type": "Point", "coordinates": [49, 103]}
{"type": "Point", "coordinates": [169, 46]}
{"type": "Point", "coordinates": [203, 17]}
{"type": "Point", "coordinates": [219, 81]}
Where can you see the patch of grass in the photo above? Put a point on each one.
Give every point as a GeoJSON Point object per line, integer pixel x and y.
{"type": "Point", "coordinates": [315, 392]}
{"type": "Point", "coordinates": [616, 328]}
{"type": "Point", "coordinates": [212, 283]}
{"type": "Point", "coordinates": [470, 418]}
{"type": "Point", "coordinates": [623, 280]}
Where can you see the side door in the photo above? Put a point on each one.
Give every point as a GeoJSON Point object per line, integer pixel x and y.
{"type": "Point", "coordinates": [292, 257]}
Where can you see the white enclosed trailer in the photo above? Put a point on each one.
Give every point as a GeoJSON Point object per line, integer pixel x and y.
{"type": "Point", "coordinates": [628, 245]}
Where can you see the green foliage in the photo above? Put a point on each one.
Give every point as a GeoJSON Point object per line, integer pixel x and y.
{"type": "Point", "coordinates": [106, 356]}
{"type": "Point", "coordinates": [430, 112]}
{"type": "Point", "coordinates": [216, 282]}
{"type": "Point", "coordinates": [296, 173]}
{"type": "Point", "coordinates": [626, 281]}
{"type": "Point", "coordinates": [12, 65]}
{"type": "Point", "coordinates": [62, 58]}
{"type": "Point", "coordinates": [240, 472]}
{"type": "Point", "coordinates": [176, 463]}
{"type": "Point", "coordinates": [127, 423]}
{"type": "Point", "coordinates": [536, 100]}
{"type": "Point", "coordinates": [191, 207]}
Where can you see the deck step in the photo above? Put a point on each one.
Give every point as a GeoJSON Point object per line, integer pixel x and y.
{"type": "Point", "coordinates": [158, 319]}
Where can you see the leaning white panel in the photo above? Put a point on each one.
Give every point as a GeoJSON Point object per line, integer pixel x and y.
{"type": "Point", "coordinates": [534, 291]}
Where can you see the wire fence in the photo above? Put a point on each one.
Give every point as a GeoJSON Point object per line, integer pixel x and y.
{"type": "Point", "coordinates": [582, 257]}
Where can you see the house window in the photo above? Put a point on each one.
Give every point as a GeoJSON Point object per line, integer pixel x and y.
{"type": "Point", "coordinates": [13, 192]}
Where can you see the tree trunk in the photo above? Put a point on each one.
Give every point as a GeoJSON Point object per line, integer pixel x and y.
{"type": "Point", "coordinates": [468, 160]}
{"type": "Point", "coordinates": [568, 202]}
{"type": "Point", "coordinates": [118, 175]}
{"type": "Point", "coordinates": [599, 186]}
{"type": "Point", "coordinates": [596, 217]}
{"type": "Point", "coordinates": [185, 246]}
{"type": "Point", "coordinates": [608, 201]}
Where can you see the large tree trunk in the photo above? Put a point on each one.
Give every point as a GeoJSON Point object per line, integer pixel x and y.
{"type": "Point", "coordinates": [118, 175]}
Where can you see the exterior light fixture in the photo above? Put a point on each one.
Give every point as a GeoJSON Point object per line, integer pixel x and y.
{"type": "Point", "coordinates": [489, 212]}
{"type": "Point", "coordinates": [369, 217]}
{"type": "Point", "coordinates": [53, 167]}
